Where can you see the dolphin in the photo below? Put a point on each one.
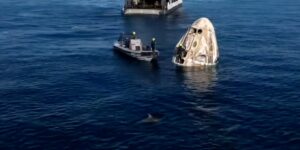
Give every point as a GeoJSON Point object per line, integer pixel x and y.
{"type": "Point", "coordinates": [151, 119]}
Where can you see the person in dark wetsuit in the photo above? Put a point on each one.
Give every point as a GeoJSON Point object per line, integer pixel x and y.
{"type": "Point", "coordinates": [153, 45]}
{"type": "Point", "coordinates": [133, 35]}
{"type": "Point", "coordinates": [180, 53]}
{"type": "Point", "coordinates": [121, 39]}
{"type": "Point", "coordinates": [127, 42]}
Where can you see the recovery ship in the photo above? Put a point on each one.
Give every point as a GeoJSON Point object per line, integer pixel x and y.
{"type": "Point", "coordinates": [150, 7]}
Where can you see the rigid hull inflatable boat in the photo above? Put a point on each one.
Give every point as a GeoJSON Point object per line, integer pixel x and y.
{"type": "Point", "coordinates": [150, 7]}
{"type": "Point", "coordinates": [198, 47]}
{"type": "Point", "coordinates": [135, 49]}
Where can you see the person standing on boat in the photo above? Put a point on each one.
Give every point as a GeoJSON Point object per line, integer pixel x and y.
{"type": "Point", "coordinates": [121, 38]}
{"type": "Point", "coordinates": [133, 35]}
{"type": "Point", "coordinates": [135, 3]}
{"type": "Point", "coordinates": [153, 44]}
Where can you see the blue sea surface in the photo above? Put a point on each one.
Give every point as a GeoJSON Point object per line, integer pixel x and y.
{"type": "Point", "coordinates": [63, 87]}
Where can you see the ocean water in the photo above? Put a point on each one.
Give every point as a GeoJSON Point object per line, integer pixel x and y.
{"type": "Point", "coordinates": [63, 87]}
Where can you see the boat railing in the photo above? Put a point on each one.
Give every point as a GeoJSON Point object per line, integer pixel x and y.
{"type": "Point", "coordinates": [129, 4]}
{"type": "Point", "coordinates": [144, 7]}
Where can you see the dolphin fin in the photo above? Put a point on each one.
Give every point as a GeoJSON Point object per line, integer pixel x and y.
{"type": "Point", "coordinates": [150, 116]}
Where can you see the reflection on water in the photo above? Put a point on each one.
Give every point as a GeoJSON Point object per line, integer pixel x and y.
{"type": "Point", "coordinates": [199, 82]}
{"type": "Point", "coordinates": [199, 79]}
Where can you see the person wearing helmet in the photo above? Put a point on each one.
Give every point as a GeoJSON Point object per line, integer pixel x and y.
{"type": "Point", "coordinates": [133, 35]}
{"type": "Point", "coordinates": [121, 38]}
{"type": "Point", "coordinates": [153, 44]}
{"type": "Point", "coordinates": [180, 49]}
